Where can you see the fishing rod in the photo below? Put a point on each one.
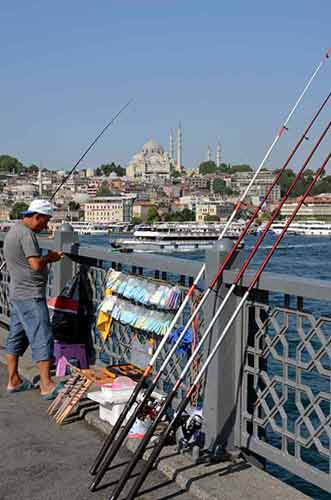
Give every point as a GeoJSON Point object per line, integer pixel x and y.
{"type": "Point", "coordinates": [115, 444]}
{"type": "Point", "coordinates": [89, 148]}
{"type": "Point", "coordinates": [172, 425]}
{"type": "Point", "coordinates": [149, 368]}
{"type": "Point", "coordinates": [82, 157]}
{"type": "Point", "coordinates": [141, 448]}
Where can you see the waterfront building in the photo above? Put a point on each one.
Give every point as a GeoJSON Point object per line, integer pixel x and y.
{"type": "Point", "coordinates": [151, 164]}
{"type": "Point", "coordinates": [240, 181]}
{"type": "Point", "coordinates": [173, 190]}
{"type": "Point", "coordinates": [214, 209]}
{"type": "Point", "coordinates": [190, 202]}
{"type": "Point", "coordinates": [198, 182]}
{"type": "Point", "coordinates": [89, 172]}
{"type": "Point", "coordinates": [315, 207]}
{"type": "Point", "coordinates": [109, 209]}
{"type": "Point", "coordinates": [21, 191]}
{"type": "Point", "coordinates": [141, 208]}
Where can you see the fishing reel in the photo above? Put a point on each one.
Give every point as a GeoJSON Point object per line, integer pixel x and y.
{"type": "Point", "coordinates": [189, 435]}
{"type": "Point", "coordinates": [152, 407]}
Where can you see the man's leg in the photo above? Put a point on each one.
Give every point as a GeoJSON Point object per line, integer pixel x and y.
{"type": "Point", "coordinates": [17, 343]}
{"type": "Point", "coordinates": [46, 383]}
{"type": "Point", "coordinates": [34, 316]}
{"type": "Point", "coordinates": [13, 376]}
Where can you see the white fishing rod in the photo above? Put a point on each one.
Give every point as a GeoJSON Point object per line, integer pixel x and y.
{"type": "Point", "coordinates": [185, 401]}
{"type": "Point", "coordinates": [178, 314]}
{"type": "Point", "coordinates": [115, 445]}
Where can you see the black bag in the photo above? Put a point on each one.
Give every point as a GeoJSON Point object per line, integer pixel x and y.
{"type": "Point", "coordinates": [71, 312]}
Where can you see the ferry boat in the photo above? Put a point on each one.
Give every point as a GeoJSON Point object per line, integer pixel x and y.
{"type": "Point", "coordinates": [87, 228]}
{"type": "Point", "coordinates": [308, 228]}
{"type": "Point", "coordinates": [178, 237]}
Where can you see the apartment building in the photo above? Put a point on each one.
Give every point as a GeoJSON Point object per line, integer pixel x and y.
{"type": "Point", "coordinates": [315, 207]}
{"type": "Point", "coordinates": [240, 181]}
{"type": "Point", "coordinates": [109, 209]}
{"type": "Point", "coordinates": [209, 208]}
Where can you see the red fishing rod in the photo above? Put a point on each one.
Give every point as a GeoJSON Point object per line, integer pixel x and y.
{"type": "Point", "coordinates": [176, 418]}
{"type": "Point", "coordinates": [112, 444]}
{"type": "Point", "coordinates": [142, 382]}
{"type": "Point", "coordinates": [133, 398]}
{"type": "Point", "coordinates": [150, 431]}
{"type": "Point", "coordinates": [169, 398]}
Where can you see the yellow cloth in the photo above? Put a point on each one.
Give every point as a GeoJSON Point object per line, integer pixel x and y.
{"type": "Point", "coordinates": [108, 292]}
{"type": "Point", "coordinates": [104, 322]}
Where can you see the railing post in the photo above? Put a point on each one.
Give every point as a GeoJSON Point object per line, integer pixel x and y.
{"type": "Point", "coordinates": [221, 406]}
{"type": "Point", "coordinates": [63, 270]}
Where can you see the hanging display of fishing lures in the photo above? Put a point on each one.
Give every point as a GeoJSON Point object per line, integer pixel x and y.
{"type": "Point", "coordinates": [148, 320]}
{"type": "Point", "coordinates": [144, 291]}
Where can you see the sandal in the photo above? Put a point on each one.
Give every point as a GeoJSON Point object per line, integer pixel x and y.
{"type": "Point", "coordinates": [25, 385]}
{"type": "Point", "coordinates": [52, 395]}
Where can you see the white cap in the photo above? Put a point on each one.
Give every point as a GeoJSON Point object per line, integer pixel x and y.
{"type": "Point", "coordinates": [42, 207]}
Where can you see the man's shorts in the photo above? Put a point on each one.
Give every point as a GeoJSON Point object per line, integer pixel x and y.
{"type": "Point", "coordinates": [29, 324]}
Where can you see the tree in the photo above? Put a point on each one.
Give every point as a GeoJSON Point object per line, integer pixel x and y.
{"type": "Point", "coordinates": [223, 167]}
{"type": "Point", "coordinates": [207, 167]}
{"type": "Point", "coordinates": [288, 176]}
{"type": "Point", "coordinates": [240, 168]}
{"type": "Point", "coordinates": [136, 220]}
{"type": "Point", "coordinates": [323, 186]}
{"type": "Point", "coordinates": [152, 215]}
{"type": "Point", "coordinates": [104, 189]}
{"type": "Point", "coordinates": [16, 210]}
{"type": "Point", "coordinates": [10, 164]}
{"type": "Point", "coordinates": [108, 168]}
{"type": "Point", "coordinates": [174, 173]}
{"type": "Point", "coordinates": [33, 169]}
{"type": "Point", "coordinates": [181, 216]}
{"type": "Point", "coordinates": [73, 205]}
{"type": "Point", "coordinates": [285, 180]}
{"type": "Point", "coordinates": [211, 218]}
{"type": "Point", "coordinates": [219, 186]}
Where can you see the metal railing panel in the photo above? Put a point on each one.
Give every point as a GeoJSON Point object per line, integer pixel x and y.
{"type": "Point", "coordinates": [286, 398]}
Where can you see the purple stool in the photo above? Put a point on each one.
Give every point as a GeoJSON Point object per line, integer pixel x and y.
{"type": "Point", "coordinates": [63, 352]}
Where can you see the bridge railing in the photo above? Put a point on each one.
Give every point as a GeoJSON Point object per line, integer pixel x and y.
{"type": "Point", "coordinates": [267, 392]}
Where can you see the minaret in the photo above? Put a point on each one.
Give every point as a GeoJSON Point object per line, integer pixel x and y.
{"type": "Point", "coordinates": [171, 144]}
{"type": "Point", "coordinates": [218, 154]}
{"type": "Point", "coordinates": [209, 153]}
{"type": "Point", "coordinates": [179, 148]}
{"type": "Point", "coordinates": [40, 182]}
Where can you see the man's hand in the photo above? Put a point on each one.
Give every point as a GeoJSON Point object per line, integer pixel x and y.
{"type": "Point", "coordinates": [38, 263]}
{"type": "Point", "coordinates": [54, 256]}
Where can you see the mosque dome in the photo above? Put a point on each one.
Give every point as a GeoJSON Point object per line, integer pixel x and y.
{"type": "Point", "coordinates": [152, 147]}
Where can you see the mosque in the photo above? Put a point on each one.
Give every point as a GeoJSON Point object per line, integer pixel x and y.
{"type": "Point", "coordinates": [153, 163]}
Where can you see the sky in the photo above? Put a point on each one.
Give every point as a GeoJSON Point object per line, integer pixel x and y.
{"type": "Point", "coordinates": [229, 71]}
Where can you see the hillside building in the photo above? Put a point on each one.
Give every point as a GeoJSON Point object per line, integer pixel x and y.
{"type": "Point", "coordinates": [109, 209]}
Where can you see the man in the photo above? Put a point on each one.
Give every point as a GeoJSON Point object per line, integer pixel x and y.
{"type": "Point", "coordinates": [29, 317]}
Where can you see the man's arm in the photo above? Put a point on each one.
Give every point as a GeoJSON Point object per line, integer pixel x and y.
{"type": "Point", "coordinates": [38, 263]}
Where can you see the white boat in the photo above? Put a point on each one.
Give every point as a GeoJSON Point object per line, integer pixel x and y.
{"type": "Point", "coordinates": [308, 228]}
{"type": "Point", "coordinates": [178, 237]}
{"type": "Point", "coordinates": [87, 228]}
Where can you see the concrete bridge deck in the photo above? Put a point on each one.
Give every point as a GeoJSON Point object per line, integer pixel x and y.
{"type": "Point", "coordinates": [41, 461]}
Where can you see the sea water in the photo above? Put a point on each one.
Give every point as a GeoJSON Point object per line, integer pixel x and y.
{"type": "Point", "coordinates": [303, 256]}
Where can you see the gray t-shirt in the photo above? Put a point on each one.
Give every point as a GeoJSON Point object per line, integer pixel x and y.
{"type": "Point", "coordinates": [25, 283]}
